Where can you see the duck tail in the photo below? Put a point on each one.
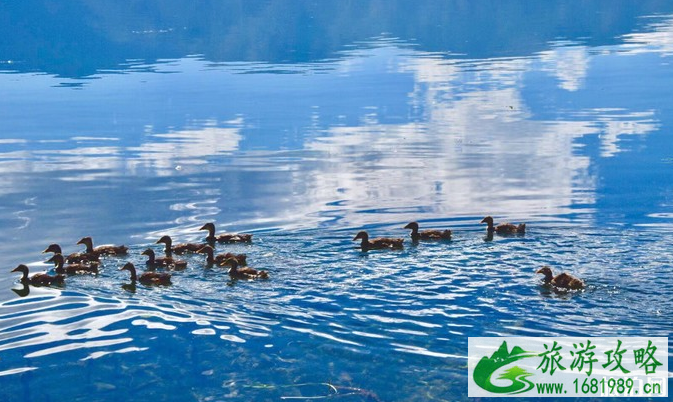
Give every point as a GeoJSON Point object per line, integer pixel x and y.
{"type": "Point", "coordinates": [521, 228]}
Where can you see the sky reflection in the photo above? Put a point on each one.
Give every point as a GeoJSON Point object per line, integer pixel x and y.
{"type": "Point", "coordinates": [382, 128]}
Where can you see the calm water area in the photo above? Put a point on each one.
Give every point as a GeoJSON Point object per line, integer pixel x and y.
{"type": "Point", "coordinates": [304, 122]}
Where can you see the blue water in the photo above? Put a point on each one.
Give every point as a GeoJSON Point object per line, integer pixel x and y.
{"type": "Point", "coordinates": [303, 123]}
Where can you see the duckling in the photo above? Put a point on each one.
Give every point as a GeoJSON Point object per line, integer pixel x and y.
{"type": "Point", "coordinates": [102, 250]}
{"type": "Point", "coordinates": [39, 279]}
{"type": "Point", "coordinates": [212, 259]}
{"type": "Point", "coordinates": [378, 243]}
{"type": "Point", "coordinates": [561, 281]}
{"type": "Point", "coordinates": [147, 278]}
{"type": "Point", "coordinates": [72, 269]}
{"type": "Point", "coordinates": [504, 228]}
{"type": "Point", "coordinates": [244, 272]}
{"type": "Point", "coordinates": [178, 248]}
{"type": "Point", "coordinates": [166, 262]}
{"type": "Point", "coordinates": [74, 257]}
{"type": "Point", "coordinates": [225, 237]}
{"type": "Point", "coordinates": [427, 234]}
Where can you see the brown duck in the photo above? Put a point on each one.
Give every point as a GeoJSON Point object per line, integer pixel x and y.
{"type": "Point", "coordinates": [427, 234]}
{"type": "Point", "coordinates": [179, 248]}
{"type": "Point", "coordinates": [225, 237]}
{"type": "Point", "coordinates": [39, 279]}
{"type": "Point", "coordinates": [102, 250]}
{"type": "Point", "coordinates": [212, 259]}
{"type": "Point", "coordinates": [74, 257]}
{"type": "Point", "coordinates": [73, 269]}
{"type": "Point", "coordinates": [147, 278]}
{"type": "Point", "coordinates": [504, 228]}
{"type": "Point", "coordinates": [378, 243]}
{"type": "Point", "coordinates": [244, 272]}
{"type": "Point", "coordinates": [561, 281]}
{"type": "Point", "coordinates": [162, 262]}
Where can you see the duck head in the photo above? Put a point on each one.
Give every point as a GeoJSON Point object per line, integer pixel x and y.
{"type": "Point", "coordinates": [88, 242]}
{"type": "Point", "coordinates": [546, 271]}
{"type": "Point", "coordinates": [23, 269]}
{"type": "Point", "coordinates": [231, 261]}
{"type": "Point", "coordinates": [149, 252]}
{"type": "Point", "coordinates": [58, 260]}
{"type": "Point", "coordinates": [206, 250]}
{"type": "Point", "coordinates": [488, 220]}
{"type": "Point", "coordinates": [413, 226]}
{"type": "Point", "coordinates": [210, 227]}
{"type": "Point", "coordinates": [165, 240]}
{"type": "Point", "coordinates": [131, 268]}
{"type": "Point", "coordinates": [53, 248]}
{"type": "Point", "coordinates": [362, 235]}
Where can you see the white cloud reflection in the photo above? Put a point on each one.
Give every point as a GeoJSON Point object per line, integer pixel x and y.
{"type": "Point", "coordinates": [476, 144]}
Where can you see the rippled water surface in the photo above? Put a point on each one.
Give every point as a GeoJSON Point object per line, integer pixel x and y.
{"type": "Point", "coordinates": [303, 123]}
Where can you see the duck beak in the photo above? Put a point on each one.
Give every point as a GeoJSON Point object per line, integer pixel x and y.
{"type": "Point", "coordinates": [483, 220]}
{"type": "Point", "coordinates": [539, 271]}
{"type": "Point", "coordinates": [15, 269]}
{"type": "Point", "coordinates": [204, 227]}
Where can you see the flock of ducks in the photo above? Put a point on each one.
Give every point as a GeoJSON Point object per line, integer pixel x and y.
{"type": "Point", "coordinates": [88, 262]}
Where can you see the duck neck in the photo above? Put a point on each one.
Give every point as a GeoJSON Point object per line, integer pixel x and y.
{"type": "Point", "coordinates": [548, 277]}
{"type": "Point", "coordinates": [210, 258]}
{"type": "Point", "coordinates": [168, 250]}
{"type": "Point", "coordinates": [234, 266]}
{"type": "Point", "coordinates": [134, 276]}
{"type": "Point", "coordinates": [24, 277]}
{"type": "Point", "coordinates": [151, 259]}
{"type": "Point", "coordinates": [89, 246]}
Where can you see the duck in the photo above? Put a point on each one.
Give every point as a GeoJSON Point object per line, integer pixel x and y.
{"type": "Point", "coordinates": [39, 279]}
{"type": "Point", "coordinates": [166, 262]}
{"type": "Point", "coordinates": [74, 257]}
{"type": "Point", "coordinates": [72, 269]}
{"type": "Point", "coordinates": [561, 281]}
{"type": "Point", "coordinates": [212, 259]}
{"type": "Point", "coordinates": [378, 243]}
{"type": "Point", "coordinates": [102, 250]}
{"type": "Point", "coordinates": [504, 228]}
{"type": "Point", "coordinates": [427, 234]}
{"type": "Point", "coordinates": [147, 278]}
{"type": "Point", "coordinates": [225, 237]}
{"type": "Point", "coordinates": [244, 272]}
{"type": "Point", "coordinates": [179, 248]}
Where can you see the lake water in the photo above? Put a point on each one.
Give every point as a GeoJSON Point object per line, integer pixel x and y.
{"type": "Point", "coordinates": [303, 123]}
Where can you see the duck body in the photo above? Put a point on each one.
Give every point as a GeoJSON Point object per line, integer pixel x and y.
{"type": "Point", "coordinates": [561, 281]}
{"type": "Point", "coordinates": [74, 257]}
{"type": "Point", "coordinates": [225, 237]}
{"type": "Point", "coordinates": [102, 250]}
{"type": "Point", "coordinates": [73, 269]}
{"type": "Point", "coordinates": [221, 259]}
{"type": "Point", "coordinates": [163, 262]}
{"type": "Point", "coordinates": [39, 279]}
{"type": "Point", "coordinates": [180, 248]}
{"type": "Point", "coordinates": [378, 243]}
{"type": "Point", "coordinates": [430, 234]}
{"type": "Point", "coordinates": [244, 272]}
{"type": "Point", "coordinates": [147, 278]}
{"type": "Point", "coordinates": [504, 228]}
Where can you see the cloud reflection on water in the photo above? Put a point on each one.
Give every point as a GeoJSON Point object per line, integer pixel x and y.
{"type": "Point", "coordinates": [427, 134]}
